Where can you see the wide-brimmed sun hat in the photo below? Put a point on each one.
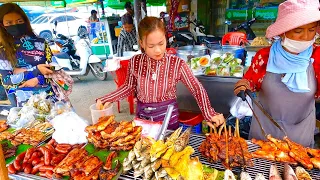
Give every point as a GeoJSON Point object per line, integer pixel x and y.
{"type": "Point", "coordinates": [293, 14]}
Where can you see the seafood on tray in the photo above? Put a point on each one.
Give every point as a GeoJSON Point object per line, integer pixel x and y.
{"type": "Point", "coordinates": [288, 173]}
{"type": "Point", "coordinates": [109, 134]}
{"type": "Point", "coordinates": [287, 151]}
{"type": "Point", "coordinates": [231, 150]}
{"type": "Point", "coordinates": [163, 159]}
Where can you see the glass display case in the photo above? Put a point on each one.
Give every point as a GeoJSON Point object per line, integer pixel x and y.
{"type": "Point", "coordinates": [100, 38]}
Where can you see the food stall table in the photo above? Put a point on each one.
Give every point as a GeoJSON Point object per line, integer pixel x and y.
{"type": "Point", "coordinates": [260, 165]}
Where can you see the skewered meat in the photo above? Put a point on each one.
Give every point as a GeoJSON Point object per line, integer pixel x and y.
{"type": "Point", "coordinates": [232, 151]}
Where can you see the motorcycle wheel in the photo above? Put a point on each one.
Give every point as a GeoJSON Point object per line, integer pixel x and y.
{"type": "Point", "coordinates": [97, 71]}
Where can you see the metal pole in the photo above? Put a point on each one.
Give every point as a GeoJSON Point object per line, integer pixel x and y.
{"type": "Point", "coordinates": [144, 8]}
{"type": "Point", "coordinates": [137, 11]}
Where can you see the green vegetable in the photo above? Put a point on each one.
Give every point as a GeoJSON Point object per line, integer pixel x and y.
{"type": "Point", "coordinates": [227, 57]}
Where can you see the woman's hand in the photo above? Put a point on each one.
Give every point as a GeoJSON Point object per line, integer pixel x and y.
{"type": "Point", "coordinates": [217, 120]}
{"type": "Point", "coordinates": [101, 106]}
{"type": "Point", "coordinates": [45, 69]}
{"type": "Point", "coordinates": [19, 70]}
{"type": "Point", "coordinates": [30, 83]}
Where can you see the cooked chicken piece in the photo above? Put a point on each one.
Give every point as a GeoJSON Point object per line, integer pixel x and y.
{"type": "Point", "coordinates": [314, 152]}
{"type": "Point", "coordinates": [316, 162]}
{"type": "Point", "coordinates": [102, 124]}
{"type": "Point", "coordinates": [70, 160]}
{"type": "Point", "coordinates": [281, 145]}
{"type": "Point", "coordinates": [299, 153]}
{"type": "Point", "coordinates": [91, 164]}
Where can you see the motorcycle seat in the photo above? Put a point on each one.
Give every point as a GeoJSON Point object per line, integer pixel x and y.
{"type": "Point", "coordinates": [62, 55]}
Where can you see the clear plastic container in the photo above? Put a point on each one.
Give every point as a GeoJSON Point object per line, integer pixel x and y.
{"type": "Point", "coordinates": [96, 114]}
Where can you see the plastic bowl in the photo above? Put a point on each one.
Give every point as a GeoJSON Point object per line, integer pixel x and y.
{"type": "Point", "coordinates": [96, 114]}
{"type": "Point", "coordinates": [190, 118]}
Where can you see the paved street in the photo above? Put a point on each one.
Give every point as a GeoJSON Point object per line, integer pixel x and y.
{"type": "Point", "coordinates": [86, 90]}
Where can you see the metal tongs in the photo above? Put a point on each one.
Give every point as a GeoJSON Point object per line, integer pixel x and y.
{"type": "Point", "coordinates": [165, 123]}
{"type": "Point", "coordinates": [264, 112]}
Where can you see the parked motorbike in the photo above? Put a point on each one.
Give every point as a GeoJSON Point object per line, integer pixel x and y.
{"type": "Point", "coordinates": [87, 61]}
{"type": "Point", "coordinates": [245, 26]}
{"type": "Point", "coordinates": [66, 45]}
{"type": "Point", "coordinates": [199, 34]}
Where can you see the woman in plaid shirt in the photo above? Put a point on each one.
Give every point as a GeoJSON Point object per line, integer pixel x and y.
{"type": "Point", "coordinates": [128, 35]}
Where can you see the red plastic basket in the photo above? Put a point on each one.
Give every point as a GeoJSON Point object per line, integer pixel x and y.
{"type": "Point", "coordinates": [190, 118]}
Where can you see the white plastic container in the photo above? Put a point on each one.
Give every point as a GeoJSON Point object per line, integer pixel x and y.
{"type": "Point", "coordinates": [96, 114]}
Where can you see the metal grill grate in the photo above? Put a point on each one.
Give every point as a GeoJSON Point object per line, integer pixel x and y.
{"type": "Point", "coordinates": [260, 165]}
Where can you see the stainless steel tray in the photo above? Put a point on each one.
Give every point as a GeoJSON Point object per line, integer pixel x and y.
{"type": "Point", "coordinates": [260, 165]}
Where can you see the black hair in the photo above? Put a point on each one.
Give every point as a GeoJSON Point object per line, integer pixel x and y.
{"type": "Point", "coordinates": [94, 12]}
{"type": "Point", "coordinates": [126, 19]}
{"type": "Point", "coordinates": [128, 5]}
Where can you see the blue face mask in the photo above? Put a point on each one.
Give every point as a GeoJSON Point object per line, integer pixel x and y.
{"type": "Point", "coordinates": [17, 30]}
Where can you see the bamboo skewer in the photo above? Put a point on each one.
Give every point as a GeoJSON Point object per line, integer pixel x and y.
{"type": "Point", "coordinates": [237, 128]}
{"type": "Point", "coordinates": [220, 129]}
{"type": "Point", "coordinates": [227, 149]}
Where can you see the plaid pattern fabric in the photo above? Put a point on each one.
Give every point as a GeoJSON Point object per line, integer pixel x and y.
{"type": "Point", "coordinates": [126, 41]}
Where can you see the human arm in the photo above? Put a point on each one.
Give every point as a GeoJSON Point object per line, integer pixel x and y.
{"type": "Point", "coordinates": [252, 80]}
{"type": "Point", "coordinates": [10, 79]}
{"type": "Point", "coordinates": [124, 90]}
{"type": "Point", "coordinates": [200, 94]}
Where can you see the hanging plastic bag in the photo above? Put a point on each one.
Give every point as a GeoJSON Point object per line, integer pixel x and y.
{"type": "Point", "coordinates": [149, 128]}
{"type": "Point", "coordinates": [240, 108]}
{"type": "Point", "coordinates": [112, 65]}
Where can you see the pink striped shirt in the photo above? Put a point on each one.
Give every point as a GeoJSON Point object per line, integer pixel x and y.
{"type": "Point", "coordinates": [163, 87]}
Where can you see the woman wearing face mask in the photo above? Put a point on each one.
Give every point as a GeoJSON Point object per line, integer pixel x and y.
{"type": "Point", "coordinates": [287, 74]}
{"type": "Point", "coordinates": [24, 58]}
{"type": "Point", "coordinates": [154, 75]}
{"type": "Point", "coordinates": [128, 35]}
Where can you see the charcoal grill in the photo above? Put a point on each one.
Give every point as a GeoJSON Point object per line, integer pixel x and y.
{"type": "Point", "coordinates": [260, 165]}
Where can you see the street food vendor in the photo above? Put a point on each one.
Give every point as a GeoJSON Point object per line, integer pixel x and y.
{"type": "Point", "coordinates": [153, 76]}
{"type": "Point", "coordinates": [23, 56]}
{"type": "Point", "coordinates": [128, 36]}
{"type": "Point", "coordinates": [287, 74]}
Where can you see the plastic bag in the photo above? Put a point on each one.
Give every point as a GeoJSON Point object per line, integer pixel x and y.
{"type": "Point", "coordinates": [112, 65]}
{"type": "Point", "coordinates": [69, 129]}
{"type": "Point", "coordinates": [240, 108]}
{"type": "Point", "coordinates": [149, 128]}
